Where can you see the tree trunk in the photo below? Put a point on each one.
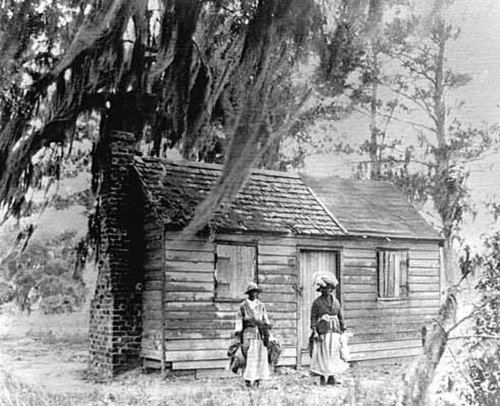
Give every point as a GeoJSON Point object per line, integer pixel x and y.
{"type": "Point", "coordinates": [375, 165]}
{"type": "Point", "coordinates": [442, 154]}
{"type": "Point", "coordinates": [450, 272]}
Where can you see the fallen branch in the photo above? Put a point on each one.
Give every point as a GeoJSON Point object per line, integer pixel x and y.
{"type": "Point", "coordinates": [422, 373]}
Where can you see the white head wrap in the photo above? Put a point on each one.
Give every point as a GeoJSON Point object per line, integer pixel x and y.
{"type": "Point", "coordinates": [323, 278]}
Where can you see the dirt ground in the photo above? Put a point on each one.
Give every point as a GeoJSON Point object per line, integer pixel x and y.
{"type": "Point", "coordinates": [50, 352]}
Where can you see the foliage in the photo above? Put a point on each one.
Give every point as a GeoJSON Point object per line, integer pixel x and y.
{"type": "Point", "coordinates": [43, 272]}
{"type": "Point", "coordinates": [291, 150]}
{"type": "Point", "coordinates": [471, 376]}
{"type": "Point", "coordinates": [57, 303]}
{"type": "Point", "coordinates": [7, 293]}
{"type": "Point", "coordinates": [340, 53]}
{"type": "Point", "coordinates": [484, 346]}
{"type": "Point", "coordinates": [172, 70]}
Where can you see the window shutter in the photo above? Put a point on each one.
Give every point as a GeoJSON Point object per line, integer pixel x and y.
{"type": "Point", "coordinates": [390, 273]}
{"type": "Point", "coordinates": [404, 273]}
{"type": "Point", "coordinates": [223, 275]}
{"type": "Point", "coordinates": [397, 274]}
{"type": "Point", "coordinates": [392, 268]}
{"type": "Point", "coordinates": [381, 273]}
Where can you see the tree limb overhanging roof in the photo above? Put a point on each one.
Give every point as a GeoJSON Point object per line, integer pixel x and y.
{"type": "Point", "coordinates": [371, 208]}
{"type": "Point", "coordinates": [270, 201]}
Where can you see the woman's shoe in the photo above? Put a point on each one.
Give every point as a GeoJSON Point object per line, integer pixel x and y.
{"type": "Point", "coordinates": [322, 380]}
{"type": "Point", "coordinates": [331, 380]}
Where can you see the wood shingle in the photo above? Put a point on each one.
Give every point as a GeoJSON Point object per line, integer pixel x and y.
{"type": "Point", "coordinates": [371, 208]}
{"type": "Point", "coordinates": [269, 202]}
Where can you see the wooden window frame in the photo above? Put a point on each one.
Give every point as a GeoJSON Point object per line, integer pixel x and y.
{"type": "Point", "coordinates": [400, 297]}
{"type": "Point", "coordinates": [252, 244]}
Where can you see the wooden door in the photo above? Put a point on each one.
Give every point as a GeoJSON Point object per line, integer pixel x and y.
{"type": "Point", "coordinates": [312, 261]}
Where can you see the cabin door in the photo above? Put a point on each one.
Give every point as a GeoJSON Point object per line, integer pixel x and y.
{"type": "Point", "coordinates": [310, 262]}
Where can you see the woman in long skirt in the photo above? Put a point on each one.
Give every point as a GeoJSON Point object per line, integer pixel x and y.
{"type": "Point", "coordinates": [252, 326]}
{"type": "Point", "coordinates": [327, 323]}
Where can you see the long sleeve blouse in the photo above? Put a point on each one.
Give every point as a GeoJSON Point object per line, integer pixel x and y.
{"type": "Point", "coordinates": [330, 306]}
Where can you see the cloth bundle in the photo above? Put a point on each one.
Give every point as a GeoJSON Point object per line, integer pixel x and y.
{"type": "Point", "coordinates": [345, 354]}
{"type": "Point", "coordinates": [236, 358]}
{"type": "Point", "coordinates": [274, 350]}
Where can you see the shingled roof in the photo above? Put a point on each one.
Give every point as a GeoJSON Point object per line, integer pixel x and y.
{"type": "Point", "coordinates": [269, 202]}
{"type": "Point", "coordinates": [371, 208]}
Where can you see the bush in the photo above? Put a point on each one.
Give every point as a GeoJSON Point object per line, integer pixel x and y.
{"type": "Point", "coordinates": [482, 350]}
{"type": "Point", "coordinates": [484, 361]}
{"type": "Point", "coordinates": [58, 304]}
{"type": "Point", "coordinates": [56, 266]}
{"type": "Point", "coordinates": [44, 271]}
{"type": "Point", "coordinates": [7, 293]}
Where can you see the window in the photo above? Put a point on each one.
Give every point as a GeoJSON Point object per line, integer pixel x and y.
{"type": "Point", "coordinates": [392, 268]}
{"type": "Point", "coordinates": [235, 267]}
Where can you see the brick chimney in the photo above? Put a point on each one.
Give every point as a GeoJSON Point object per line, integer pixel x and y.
{"type": "Point", "coordinates": [116, 309]}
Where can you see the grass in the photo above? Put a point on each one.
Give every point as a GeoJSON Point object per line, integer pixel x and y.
{"type": "Point", "coordinates": [50, 329]}
{"type": "Point", "coordinates": [154, 391]}
{"type": "Point", "coordinates": [51, 337]}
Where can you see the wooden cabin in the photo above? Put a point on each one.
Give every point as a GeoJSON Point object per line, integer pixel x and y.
{"type": "Point", "coordinates": [280, 229]}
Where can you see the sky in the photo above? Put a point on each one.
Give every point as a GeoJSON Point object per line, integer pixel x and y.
{"type": "Point", "coordinates": [475, 52]}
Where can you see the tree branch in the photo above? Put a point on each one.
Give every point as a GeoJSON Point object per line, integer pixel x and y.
{"type": "Point", "coordinates": [467, 317]}
{"type": "Point", "coordinates": [429, 108]}
{"type": "Point", "coordinates": [423, 106]}
{"type": "Point", "coordinates": [482, 156]}
{"type": "Point", "coordinates": [399, 120]}
{"type": "Point", "coordinates": [486, 336]}
{"type": "Point", "coordinates": [401, 56]}
{"type": "Point", "coordinates": [426, 164]}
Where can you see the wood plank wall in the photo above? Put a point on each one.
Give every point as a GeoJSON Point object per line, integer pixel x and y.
{"type": "Point", "coordinates": [198, 328]}
{"type": "Point", "coordinates": [154, 258]}
{"type": "Point", "coordinates": [388, 328]}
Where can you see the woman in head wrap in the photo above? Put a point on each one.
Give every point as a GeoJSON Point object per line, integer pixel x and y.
{"type": "Point", "coordinates": [252, 326]}
{"type": "Point", "coordinates": [327, 323]}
